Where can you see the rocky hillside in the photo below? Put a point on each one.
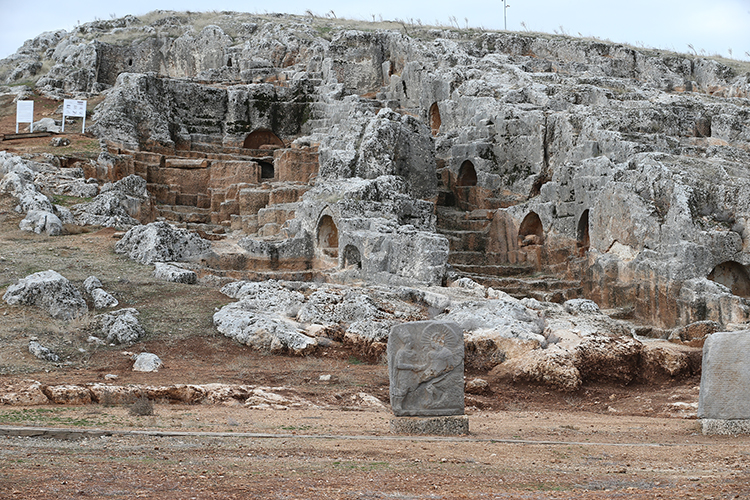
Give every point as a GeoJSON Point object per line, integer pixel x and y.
{"type": "Point", "coordinates": [545, 166]}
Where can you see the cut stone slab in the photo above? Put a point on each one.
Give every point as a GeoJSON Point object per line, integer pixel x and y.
{"type": "Point", "coordinates": [457, 425]}
{"type": "Point", "coordinates": [725, 427]}
{"type": "Point", "coordinates": [724, 401]}
{"type": "Point", "coordinates": [426, 369]}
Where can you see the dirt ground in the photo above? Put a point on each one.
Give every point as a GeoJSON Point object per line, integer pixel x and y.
{"type": "Point", "coordinates": [604, 441]}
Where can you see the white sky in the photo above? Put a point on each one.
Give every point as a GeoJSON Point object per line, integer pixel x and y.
{"type": "Point", "coordinates": [710, 26]}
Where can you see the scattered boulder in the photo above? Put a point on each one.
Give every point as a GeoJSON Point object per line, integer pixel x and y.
{"type": "Point", "coordinates": [48, 125]}
{"type": "Point", "coordinates": [168, 272]}
{"type": "Point", "coordinates": [58, 142]}
{"type": "Point", "coordinates": [581, 306]}
{"type": "Point", "coordinates": [102, 299]}
{"type": "Point", "coordinates": [120, 327]}
{"type": "Point", "coordinates": [477, 386]}
{"type": "Point", "coordinates": [161, 242]}
{"type": "Point", "coordinates": [90, 283]}
{"type": "Point", "coordinates": [147, 362]}
{"type": "Point", "coordinates": [39, 221]}
{"type": "Point", "coordinates": [50, 291]}
{"type": "Point", "coordinates": [120, 205]}
{"type": "Point", "coordinates": [42, 352]}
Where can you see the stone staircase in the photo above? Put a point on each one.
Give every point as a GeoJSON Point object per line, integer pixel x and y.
{"type": "Point", "coordinates": [468, 237]}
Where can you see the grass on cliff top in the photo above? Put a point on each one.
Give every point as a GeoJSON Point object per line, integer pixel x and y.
{"type": "Point", "coordinates": [175, 24]}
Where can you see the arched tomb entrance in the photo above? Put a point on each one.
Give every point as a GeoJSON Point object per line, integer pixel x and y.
{"type": "Point", "coordinates": [465, 188]}
{"type": "Point", "coordinates": [262, 138]}
{"type": "Point", "coordinates": [531, 231]}
{"type": "Point", "coordinates": [531, 241]}
{"type": "Point", "coordinates": [732, 275]}
{"type": "Point", "coordinates": [467, 175]}
{"type": "Point", "coordinates": [435, 120]}
{"type": "Point", "coordinates": [328, 236]}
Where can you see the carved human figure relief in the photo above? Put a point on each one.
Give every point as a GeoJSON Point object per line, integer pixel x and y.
{"type": "Point", "coordinates": [426, 365]}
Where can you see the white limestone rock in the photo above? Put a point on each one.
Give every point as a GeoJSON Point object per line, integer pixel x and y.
{"type": "Point", "coordinates": [50, 291]}
{"type": "Point", "coordinates": [120, 327]}
{"type": "Point", "coordinates": [161, 242]}
{"type": "Point", "coordinates": [102, 299]}
{"type": "Point", "coordinates": [168, 272]}
{"type": "Point", "coordinates": [147, 362]}
{"type": "Point", "coordinates": [329, 307]}
{"type": "Point", "coordinates": [47, 125]}
{"type": "Point", "coordinates": [119, 206]}
{"type": "Point", "coordinates": [90, 283]}
{"type": "Point", "coordinates": [261, 330]}
{"type": "Point", "coordinates": [41, 352]}
{"type": "Point", "coordinates": [38, 222]}
{"type": "Point", "coordinates": [502, 318]}
{"type": "Point", "coordinates": [267, 296]}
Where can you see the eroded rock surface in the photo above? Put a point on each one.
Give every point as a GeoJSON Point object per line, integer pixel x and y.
{"type": "Point", "coordinates": [120, 327]}
{"type": "Point", "coordinates": [50, 291]}
{"type": "Point", "coordinates": [161, 242]}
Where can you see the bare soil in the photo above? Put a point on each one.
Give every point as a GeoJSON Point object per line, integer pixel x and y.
{"type": "Point", "coordinates": [604, 441]}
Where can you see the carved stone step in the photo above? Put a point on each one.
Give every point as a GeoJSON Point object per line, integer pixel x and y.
{"type": "Point", "coordinates": [480, 273]}
{"type": "Point", "coordinates": [473, 241]}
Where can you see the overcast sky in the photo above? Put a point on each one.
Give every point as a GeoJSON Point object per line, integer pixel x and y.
{"type": "Point", "coordinates": [709, 26]}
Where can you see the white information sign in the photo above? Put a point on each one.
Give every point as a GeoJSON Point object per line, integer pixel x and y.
{"type": "Point", "coordinates": [74, 107]}
{"type": "Point", "coordinates": [25, 114]}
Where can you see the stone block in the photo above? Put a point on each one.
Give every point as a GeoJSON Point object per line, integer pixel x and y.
{"type": "Point", "coordinates": [426, 369]}
{"type": "Point", "coordinates": [226, 173]}
{"type": "Point", "coordinates": [252, 200]}
{"type": "Point", "coordinates": [186, 163]}
{"type": "Point", "coordinates": [725, 379]}
{"type": "Point", "coordinates": [296, 165]}
{"type": "Point", "coordinates": [436, 426]}
{"type": "Point", "coordinates": [725, 427]}
{"type": "Point", "coordinates": [286, 194]}
{"type": "Point", "coordinates": [275, 215]}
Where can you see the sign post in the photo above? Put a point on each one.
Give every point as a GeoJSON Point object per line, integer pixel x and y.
{"type": "Point", "coordinates": [25, 114]}
{"type": "Point", "coordinates": [74, 108]}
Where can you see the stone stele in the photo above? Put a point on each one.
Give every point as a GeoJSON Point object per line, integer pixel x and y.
{"type": "Point", "coordinates": [426, 369]}
{"type": "Point", "coordinates": [724, 402]}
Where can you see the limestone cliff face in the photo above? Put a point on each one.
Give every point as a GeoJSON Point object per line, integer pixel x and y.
{"type": "Point", "coordinates": [624, 169]}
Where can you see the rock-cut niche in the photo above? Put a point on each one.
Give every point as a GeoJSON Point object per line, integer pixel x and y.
{"type": "Point", "coordinates": [352, 257]}
{"type": "Point", "coordinates": [328, 234]}
{"type": "Point", "coordinates": [732, 275]}
{"type": "Point", "coordinates": [582, 237]}
{"type": "Point", "coordinates": [531, 231]}
{"type": "Point", "coordinates": [467, 175]}
{"type": "Point", "coordinates": [260, 138]}
{"type": "Point", "coordinates": [435, 120]}
{"type": "Point", "coordinates": [266, 170]}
